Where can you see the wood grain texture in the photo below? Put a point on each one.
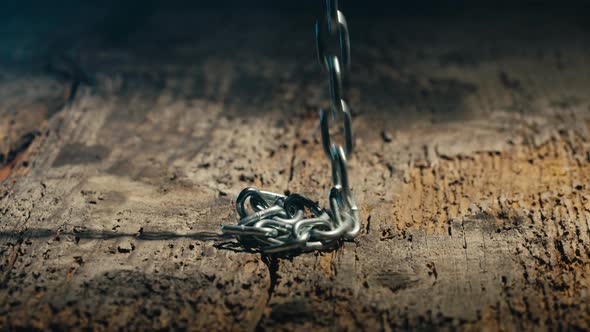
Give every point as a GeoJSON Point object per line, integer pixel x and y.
{"type": "Point", "coordinates": [472, 172]}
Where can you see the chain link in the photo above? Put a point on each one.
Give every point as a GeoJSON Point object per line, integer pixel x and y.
{"type": "Point", "coordinates": [278, 223]}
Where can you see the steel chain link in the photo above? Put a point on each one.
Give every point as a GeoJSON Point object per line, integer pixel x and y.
{"type": "Point", "coordinates": [278, 223]}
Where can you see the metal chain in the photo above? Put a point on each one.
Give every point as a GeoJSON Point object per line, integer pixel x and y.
{"type": "Point", "coordinates": [278, 223]}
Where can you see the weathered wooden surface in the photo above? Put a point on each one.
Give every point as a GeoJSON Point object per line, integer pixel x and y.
{"type": "Point", "coordinates": [472, 172]}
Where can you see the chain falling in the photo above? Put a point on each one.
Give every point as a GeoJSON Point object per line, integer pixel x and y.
{"type": "Point", "coordinates": [278, 223]}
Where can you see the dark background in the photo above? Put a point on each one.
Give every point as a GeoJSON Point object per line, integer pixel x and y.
{"type": "Point", "coordinates": [29, 28]}
{"type": "Point", "coordinates": [149, 41]}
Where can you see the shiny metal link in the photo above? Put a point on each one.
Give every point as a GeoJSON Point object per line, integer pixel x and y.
{"type": "Point", "coordinates": [290, 223]}
{"type": "Point", "coordinates": [278, 223]}
{"type": "Point", "coordinates": [342, 204]}
{"type": "Point", "coordinates": [332, 13]}
{"type": "Point", "coordinates": [334, 25]}
{"type": "Point", "coordinates": [334, 83]}
{"type": "Point", "coordinates": [346, 130]}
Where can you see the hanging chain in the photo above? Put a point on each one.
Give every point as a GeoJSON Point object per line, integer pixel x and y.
{"type": "Point", "coordinates": [278, 223]}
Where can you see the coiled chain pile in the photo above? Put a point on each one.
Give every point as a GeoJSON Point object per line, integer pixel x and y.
{"type": "Point", "coordinates": [278, 223]}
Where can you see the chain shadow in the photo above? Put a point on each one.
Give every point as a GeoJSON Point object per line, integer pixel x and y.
{"type": "Point", "coordinates": [221, 241]}
{"type": "Point", "coordinates": [42, 233]}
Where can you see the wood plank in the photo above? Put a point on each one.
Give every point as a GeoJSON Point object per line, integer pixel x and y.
{"type": "Point", "coordinates": [471, 170]}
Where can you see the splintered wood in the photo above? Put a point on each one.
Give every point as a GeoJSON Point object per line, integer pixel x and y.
{"type": "Point", "coordinates": [471, 169]}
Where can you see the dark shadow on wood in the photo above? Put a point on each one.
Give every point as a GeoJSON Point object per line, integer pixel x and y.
{"type": "Point", "coordinates": [41, 233]}
{"type": "Point", "coordinates": [224, 242]}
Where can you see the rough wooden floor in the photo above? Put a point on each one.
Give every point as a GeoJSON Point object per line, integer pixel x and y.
{"type": "Point", "coordinates": [120, 158]}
